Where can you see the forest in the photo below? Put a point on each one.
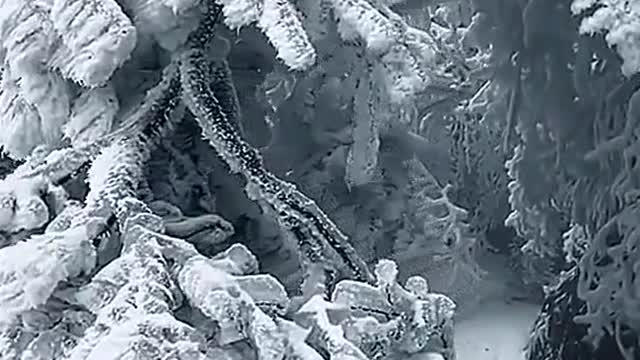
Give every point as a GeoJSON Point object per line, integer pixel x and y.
{"type": "Point", "coordinates": [319, 179]}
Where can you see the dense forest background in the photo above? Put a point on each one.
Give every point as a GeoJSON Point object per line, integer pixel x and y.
{"type": "Point", "coordinates": [155, 152]}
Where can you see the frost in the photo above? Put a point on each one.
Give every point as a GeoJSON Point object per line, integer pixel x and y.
{"type": "Point", "coordinates": [97, 39]}
{"type": "Point", "coordinates": [26, 283]}
{"type": "Point", "coordinates": [239, 13]}
{"type": "Point", "coordinates": [279, 21]}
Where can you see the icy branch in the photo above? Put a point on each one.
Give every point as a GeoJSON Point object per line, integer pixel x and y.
{"type": "Point", "coordinates": [296, 212]}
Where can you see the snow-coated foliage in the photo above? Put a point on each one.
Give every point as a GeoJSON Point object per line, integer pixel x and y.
{"type": "Point", "coordinates": [96, 39]}
{"type": "Point", "coordinates": [22, 206]}
{"type": "Point", "coordinates": [280, 22]}
{"type": "Point", "coordinates": [46, 45]}
{"type": "Point", "coordinates": [620, 20]}
{"type": "Point", "coordinates": [89, 271]}
{"type": "Point", "coordinates": [27, 283]}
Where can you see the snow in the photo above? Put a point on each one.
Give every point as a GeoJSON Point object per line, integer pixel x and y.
{"type": "Point", "coordinates": [495, 328]}
{"type": "Point", "coordinates": [497, 331]}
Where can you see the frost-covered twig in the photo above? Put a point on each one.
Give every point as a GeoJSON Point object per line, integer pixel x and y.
{"type": "Point", "coordinates": [442, 217]}
{"type": "Point", "coordinates": [382, 320]}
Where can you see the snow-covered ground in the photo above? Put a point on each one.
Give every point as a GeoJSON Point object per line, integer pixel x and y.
{"type": "Point", "coordinates": [496, 330]}
{"type": "Point", "coordinates": [497, 327]}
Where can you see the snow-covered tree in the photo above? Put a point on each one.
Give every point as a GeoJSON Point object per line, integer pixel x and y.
{"type": "Point", "coordinates": [96, 263]}
{"type": "Point", "coordinates": [314, 179]}
{"type": "Point", "coordinates": [572, 70]}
